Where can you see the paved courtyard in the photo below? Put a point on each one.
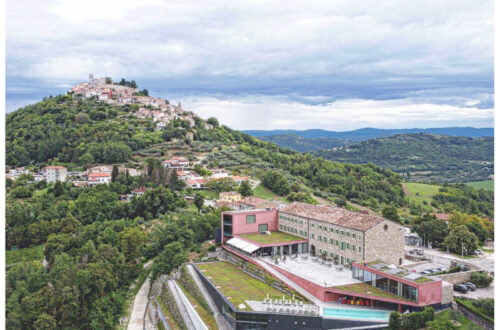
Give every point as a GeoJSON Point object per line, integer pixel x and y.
{"type": "Point", "coordinates": [315, 272]}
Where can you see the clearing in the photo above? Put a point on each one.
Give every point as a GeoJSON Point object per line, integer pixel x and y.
{"type": "Point", "coordinates": [420, 192]}
{"type": "Point", "coordinates": [264, 193]}
{"type": "Point", "coordinates": [486, 185]}
{"type": "Point", "coordinates": [22, 255]}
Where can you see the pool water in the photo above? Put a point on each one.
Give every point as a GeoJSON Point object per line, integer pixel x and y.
{"type": "Point", "coordinates": [354, 313]}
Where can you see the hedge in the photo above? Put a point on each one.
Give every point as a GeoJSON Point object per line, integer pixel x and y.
{"type": "Point", "coordinates": [475, 310]}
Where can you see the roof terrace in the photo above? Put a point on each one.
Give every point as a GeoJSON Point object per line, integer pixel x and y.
{"type": "Point", "coordinates": [315, 270]}
{"type": "Point", "coordinates": [396, 271]}
{"type": "Point", "coordinates": [275, 237]}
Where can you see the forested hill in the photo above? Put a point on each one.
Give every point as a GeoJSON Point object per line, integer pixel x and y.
{"type": "Point", "coordinates": [423, 157]}
{"type": "Point", "coordinates": [62, 130]}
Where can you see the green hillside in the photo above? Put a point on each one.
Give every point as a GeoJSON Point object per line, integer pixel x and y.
{"type": "Point", "coordinates": [303, 144]}
{"type": "Point", "coordinates": [487, 185]}
{"type": "Point", "coordinates": [423, 157]}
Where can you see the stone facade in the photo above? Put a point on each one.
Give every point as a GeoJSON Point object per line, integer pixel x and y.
{"type": "Point", "coordinates": [455, 278]}
{"type": "Point", "coordinates": [347, 244]}
{"type": "Point", "coordinates": [385, 242]}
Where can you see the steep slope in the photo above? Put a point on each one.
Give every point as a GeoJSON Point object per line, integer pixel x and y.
{"type": "Point", "coordinates": [423, 157]}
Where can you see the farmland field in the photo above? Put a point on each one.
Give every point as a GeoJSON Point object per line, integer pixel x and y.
{"type": "Point", "coordinates": [487, 185]}
{"type": "Point", "coordinates": [420, 192]}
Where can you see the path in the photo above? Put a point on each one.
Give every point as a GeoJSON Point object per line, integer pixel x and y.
{"type": "Point", "coordinates": [222, 324]}
{"type": "Point", "coordinates": [180, 305]}
{"type": "Point", "coordinates": [140, 303]}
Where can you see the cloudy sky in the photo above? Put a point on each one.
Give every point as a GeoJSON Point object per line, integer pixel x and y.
{"type": "Point", "coordinates": [335, 65]}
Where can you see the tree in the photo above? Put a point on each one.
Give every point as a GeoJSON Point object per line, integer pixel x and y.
{"type": "Point", "coordinates": [20, 192]}
{"type": "Point", "coordinates": [391, 213]}
{"type": "Point", "coordinates": [481, 279]}
{"type": "Point", "coordinates": [86, 159]}
{"type": "Point", "coordinates": [433, 230]}
{"type": "Point", "coordinates": [45, 322]}
{"type": "Point", "coordinates": [458, 236]}
{"type": "Point", "coordinates": [213, 121]}
{"type": "Point", "coordinates": [58, 188]}
{"type": "Point", "coordinates": [82, 118]}
{"type": "Point", "coordinates": [198, 201]}
{"type": "Point", "coordinates": [478, 230]}
{"type": "Point", "coordinates": [114, 173]}
{"type": "Point", "coordinates": [132, 239]}
{"type": "Point", "coordinates": [245, 189]}
{"type": "Point", "coordinates": [172, 256]}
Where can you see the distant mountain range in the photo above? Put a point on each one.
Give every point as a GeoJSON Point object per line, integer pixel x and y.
{"type": "Point", "coordinates": [364, 134]}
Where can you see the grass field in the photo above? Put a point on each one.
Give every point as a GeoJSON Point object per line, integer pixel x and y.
{"type": "Point", "coordinates": [464, 322]}
{"type": "Point", "coordinates": [27, 254]}
{"type": "Point", "coordinates": [236, 285]}
{"type": "Point", "coordinates": [486, 185]}
{"type": "Point", "coordinates": [275, 237]}
{"type": "Point", "coordinates": [420, 192]}
{"type": "Point", "coordinates": [264, 193]}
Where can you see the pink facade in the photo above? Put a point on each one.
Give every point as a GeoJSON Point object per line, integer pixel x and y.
{"type": "Point", "coordinates": [429, 293]}
{"type": "Point", "coordinates": [240, 226]}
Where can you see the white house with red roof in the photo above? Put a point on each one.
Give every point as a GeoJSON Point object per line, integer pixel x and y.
{"type": "Point", "coordinates": [99, 178]}
{"type": "Point", "coordinates": [55, 173]}
{"type": "Point", "coordinates": [176, 163]}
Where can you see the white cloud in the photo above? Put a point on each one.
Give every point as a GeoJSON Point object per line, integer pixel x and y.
{"type": "Point", "coordinates": [267, 113]}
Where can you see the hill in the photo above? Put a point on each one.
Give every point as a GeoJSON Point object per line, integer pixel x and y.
{"type": "Point", "coordinates": [423, 157]}
{"type": "Point", "coordinates": [317, 139]}
{"type": "Point", "coordinates": [302, 144]}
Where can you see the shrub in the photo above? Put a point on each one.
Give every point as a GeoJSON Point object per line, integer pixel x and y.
{"type": "Point", "coordinates": [395, 321]}
{"type": "Point", "coordinates": [481, 279]}
{"type": "Point", "coordinates": [455, 314]}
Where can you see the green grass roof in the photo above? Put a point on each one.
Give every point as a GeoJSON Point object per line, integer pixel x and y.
{"type": "Point", "coordinates": [275, 237]}
{"type": "Point", "coordinates": [236, 285]}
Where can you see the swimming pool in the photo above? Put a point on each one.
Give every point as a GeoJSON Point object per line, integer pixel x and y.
{"type": "Point", "coordinates": [355, 313]}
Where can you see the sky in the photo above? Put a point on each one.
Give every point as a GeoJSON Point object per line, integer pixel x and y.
{"type": "Point", "coordinates": [335, 65]}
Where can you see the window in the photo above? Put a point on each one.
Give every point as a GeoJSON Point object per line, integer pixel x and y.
{"type": "Point", "coordinates": [342, 233]}
{"type": "Point", "coordinates": [331, 241]}
{"type": "Point", "coordinates": [336, 243]}
{"type": "Point", "coordinates": [325, 228]}
{"type": "Point", "coordinates": [319, 238]}
{"type": "Point", "coordinates": [359, 249]}
{"type": "Point", "coordinates": [347, 234]}
{"type": "Point", "coordinates": [359, 236]}
{"type": "Point", "coordinates": [337, 231]}
{"type": "Point", "coordinates": [354, 248]}
{"type": "Point", "coordinates": [262, 228]}
{"type": "Point", "coordinates": [312, 236]}
{"type": "Point", "coordinates": [331, 230]}
{"type": "Point", "coordinates": [251, 219]}
{"type": "Point", "coordinates": [319, 227]}
{"type": "Point", "coordinates": [348, 246]}
{"type": "Point", "coordinates": [324, 239]}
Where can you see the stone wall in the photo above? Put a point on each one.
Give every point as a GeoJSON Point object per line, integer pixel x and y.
{"type": "Point", "coordinates": [455, 278]}
{"type": "Point", "coordinates": [385, 242]}
{"type": "Point", "coordinates": [446, 293]}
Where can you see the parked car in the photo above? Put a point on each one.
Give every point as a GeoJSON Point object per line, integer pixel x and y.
{"type": "Point", "coordinates": [470, 286]}
{"type": "Point", "coordinates": [477, 252]}
{"type": "Point", "coordinates": [425, 272]}
{"type": "Point", "coordinates": [460, 288]}
{"type": "Point", "coordinates": [434, 270]}
{"type": "Point", "coordinates": [420, 252]}
{"type": "Point", "coordinates": [442, 269]}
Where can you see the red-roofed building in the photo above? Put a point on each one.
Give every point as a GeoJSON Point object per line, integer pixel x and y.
{"type": "Point", "coordinates": [99, 178]}
{"type": "Point", "coordinates": [55, 173]}
{"type": "Point", "coordinates": [239, 179]}
{"type": "Point", "coordinates": [176, 163]}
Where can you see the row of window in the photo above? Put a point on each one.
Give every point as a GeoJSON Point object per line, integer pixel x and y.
{"type": "Point", "coordinates": [337, 231]}
{"type": "Point", "coordinates": [294, 220]}
{"type": "Point", "coordinates": [291, 230]}
{"type": "Point", "coordinates": [342, 245]}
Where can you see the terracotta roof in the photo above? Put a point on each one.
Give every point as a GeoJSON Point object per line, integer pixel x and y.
{"type": "Point", "coordinates": [333, 215]}
{"type": "Point", "coordinates": [254, 201]}
{"type": "Point", "coordinates": [239, 178]}
{"type": "Point", "coordinates": [55, 167]}
{"type": "Point", "coordinates": [442, 216]}
{"type": "Point", "coordinates": [229, 193]}
{"type": "Point", "coordinates": [99, 175]}
{"type": "Point", "coordinates": [137, 190]}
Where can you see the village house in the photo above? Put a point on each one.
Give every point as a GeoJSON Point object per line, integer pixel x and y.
{"type": "Point", "coordinates": [176, 163]}
{"type": "Point", "coordinates": [252, 203]}
{"type": "Point", "coordinates": [229, 196]}
{"type": "Point", "coordinates": [96, 178]}
{"type": "Point", "coordinates": [55, 173]}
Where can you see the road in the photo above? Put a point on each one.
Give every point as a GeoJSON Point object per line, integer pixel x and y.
{"type": "Point", "coordinates": [140, 303]}
{"type": "Point", "coordinates": [485, 262]}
